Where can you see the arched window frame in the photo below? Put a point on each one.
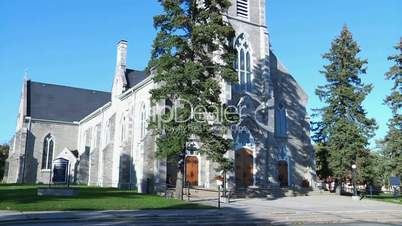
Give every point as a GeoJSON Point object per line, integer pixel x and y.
{"type": "Point", "coordinates": [48, 152]}
{"type": "Point", "coordinates": [244, 63]}
{"type": "Point", "coordinates": [281, 118]}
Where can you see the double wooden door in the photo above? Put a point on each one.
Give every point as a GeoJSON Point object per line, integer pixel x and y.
{"type": "Point", "coordinates": [244, 168]}
{"type": "Point", "coordinates": [192, 170]}
{"type": "Point", "coordinates": [283, 173]}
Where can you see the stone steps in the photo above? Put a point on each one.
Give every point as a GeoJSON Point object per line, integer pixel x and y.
{"type": "Point", "coordinates": [272, 193]}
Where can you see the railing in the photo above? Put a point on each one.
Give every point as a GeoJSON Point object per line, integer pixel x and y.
{"type": "Point", "coordinates": [169, 190]}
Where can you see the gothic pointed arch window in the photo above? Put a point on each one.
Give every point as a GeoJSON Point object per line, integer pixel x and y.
{"type": "Point", "coordinates": [243, 64]}
{"type": "Point", "coordinates": [47, 155]}
{"type": "Point", "coordinates": [281, 120]}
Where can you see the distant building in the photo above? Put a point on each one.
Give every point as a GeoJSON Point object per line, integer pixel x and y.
{"type": "Point", "coordinates": [107, 133]}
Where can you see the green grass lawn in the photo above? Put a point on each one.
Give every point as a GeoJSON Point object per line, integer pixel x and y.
{"type": "Point", "coordinates": [386, 198]}
{"type": "Point", "coordinates": [24, 198]}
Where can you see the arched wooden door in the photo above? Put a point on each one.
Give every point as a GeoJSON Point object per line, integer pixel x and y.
{"type": "Point", "coordinates": [283, 173]}
{"type": "Point", "coordinates": [192, 170]}
{"type": "Point", "coordinates": [244, 168]}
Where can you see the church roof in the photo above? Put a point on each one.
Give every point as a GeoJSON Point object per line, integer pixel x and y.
{"type": "Point", "coordinates": [134, 77]}
{"type": "Point", "coordinates": [62, 103]}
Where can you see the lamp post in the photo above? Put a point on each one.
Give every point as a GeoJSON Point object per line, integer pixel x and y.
{"type": "Point", "coordinates": [354, 181]}
{"type": "Point", "coordinates": [182, 168]}
{"type": "Point", "coordinates": [219, 182]}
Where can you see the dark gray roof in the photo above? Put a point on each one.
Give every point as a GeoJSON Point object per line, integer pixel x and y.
{"type": "Point", "coordinates": [62, 103]}
{"type": "Point", "coordinates": [134, 77]}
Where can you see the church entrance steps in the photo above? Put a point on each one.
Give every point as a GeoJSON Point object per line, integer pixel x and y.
{"type": "Point", "coordinates": [200, 194]}
{"type": "Point", "coordinates": [275, 192]}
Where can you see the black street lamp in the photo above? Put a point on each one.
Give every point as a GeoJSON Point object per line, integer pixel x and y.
{"type": "Point", "coordinates": [182, 168]}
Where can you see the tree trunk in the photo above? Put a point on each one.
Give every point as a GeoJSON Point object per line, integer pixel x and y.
{"type": "Point", "coordinates": [179, 184]}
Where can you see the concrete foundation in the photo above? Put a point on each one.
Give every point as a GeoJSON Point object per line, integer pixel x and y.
{"type": "Point", "coordinates": [58, 192]}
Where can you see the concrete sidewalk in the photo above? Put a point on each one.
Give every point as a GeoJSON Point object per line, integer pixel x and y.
{"type": "Point", "coordinates": [316, 209]}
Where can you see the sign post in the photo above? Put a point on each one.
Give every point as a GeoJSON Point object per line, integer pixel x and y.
{"type": "Point", "coordinates": [219, 182]}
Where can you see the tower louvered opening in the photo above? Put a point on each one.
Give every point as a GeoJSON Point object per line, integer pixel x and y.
{"type": "Point", "coordinates": [242, 8]}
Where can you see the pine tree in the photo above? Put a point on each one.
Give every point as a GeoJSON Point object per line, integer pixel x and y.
{"type": "Point", "coordinates": [343, 128]}
{"type": "Point", "coordinates": [321, 158]}
{"type": "Point", "coordinates": [393, 139]}
{"type": "Point", "coordinates": [191, 54]}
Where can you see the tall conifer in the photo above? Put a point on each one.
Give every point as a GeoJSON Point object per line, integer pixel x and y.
{"type": "Point", "coordinates": [393, 139]}
{"type": "Point", "coordinates": [191, 54]}
{"type": "Point", "coordinates": [344, 129]}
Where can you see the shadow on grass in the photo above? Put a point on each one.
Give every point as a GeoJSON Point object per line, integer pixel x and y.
{"type": "Point", "coordinates": [21, 197]}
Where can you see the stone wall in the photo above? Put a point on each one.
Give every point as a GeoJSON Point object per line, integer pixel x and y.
{"type": "Point", "coordinates": [107, 154]}
{"type": "Point", "coordinates": [64, 135]}
{"type": "Point", "coordinates": [125, 168]}
{"type": "Point", "coordinates": [94, 167]}
{"type": "Point", "coordinates": [84, 159]}
{"type": "Point", "coordinates": [13, 160]}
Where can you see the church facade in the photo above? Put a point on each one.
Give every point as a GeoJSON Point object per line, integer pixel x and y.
{"type": "Point", "coordinates": [105, 139]}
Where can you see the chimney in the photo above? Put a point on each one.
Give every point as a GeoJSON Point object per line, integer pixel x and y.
{"type": "Point", "coordinates": [121, 63]}
{"type": "Point", "coordinates": [119, 81]}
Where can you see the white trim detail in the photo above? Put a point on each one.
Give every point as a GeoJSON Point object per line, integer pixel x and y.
{"type": "Point", "coordinates": [48, 140]}
{"type": "Point", "coordinates": [244, 64]}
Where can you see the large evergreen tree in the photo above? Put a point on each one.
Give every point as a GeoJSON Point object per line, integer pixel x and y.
{"type": "Point", "coordinates": [393, 140]}
{"type": "Point", "coordinates": [191, 54]}
{"type": "Point", "coordinates": [344, 129]}
{"type": "Point", "coordinates": [321, 158]}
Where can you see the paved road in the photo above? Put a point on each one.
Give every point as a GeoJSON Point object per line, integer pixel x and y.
{"type": "Point", "coordinates": [312, 210]}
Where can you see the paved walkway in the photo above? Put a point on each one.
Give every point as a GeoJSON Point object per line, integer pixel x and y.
{"type": "Point", "coordinates": [317, 209]}
{"type": "Point", "coordinates": [285, 211]}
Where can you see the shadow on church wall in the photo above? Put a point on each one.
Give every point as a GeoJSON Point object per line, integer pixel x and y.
{"type": "Point", "coordinates": [285, 90]}
{"type": "Point", "coordinates": [127, 173]}
{"type": "Point", "coordinates": [31, 163]}
{"type": "Point", "coordinates": [83, 166]}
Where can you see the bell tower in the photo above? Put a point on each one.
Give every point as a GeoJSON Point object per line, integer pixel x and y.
{"type": "Point", "coordinates": [253, 91]}
{"type": "Point", "coordinates": [249, 17]}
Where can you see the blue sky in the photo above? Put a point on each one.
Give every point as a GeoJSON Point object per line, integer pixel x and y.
{"type": "Point", "coordinates": [73, 43]}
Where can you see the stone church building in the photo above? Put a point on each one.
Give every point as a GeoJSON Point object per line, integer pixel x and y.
{"type": "Point", "coordinates": [105, 139]}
